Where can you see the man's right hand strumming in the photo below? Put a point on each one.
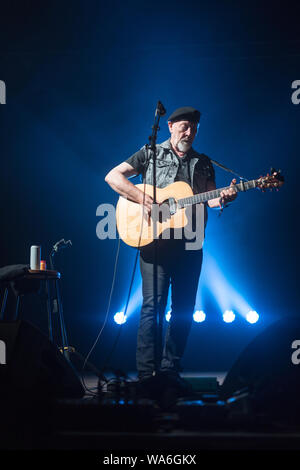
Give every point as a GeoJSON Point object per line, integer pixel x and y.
{"type": "Point", "coordinates": [146, 201]}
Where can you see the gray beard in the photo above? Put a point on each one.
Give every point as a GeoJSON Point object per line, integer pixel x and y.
{"type": "Point", "coordinates": [183, 146]}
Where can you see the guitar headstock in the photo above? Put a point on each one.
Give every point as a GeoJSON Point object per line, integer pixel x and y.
{"type": "Point", "coordinates": [272, 180]}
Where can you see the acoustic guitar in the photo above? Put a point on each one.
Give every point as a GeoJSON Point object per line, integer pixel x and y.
{"type": "Point", "coordinates": [136, 230]}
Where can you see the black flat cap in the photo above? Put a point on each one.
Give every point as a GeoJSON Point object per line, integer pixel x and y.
{"type": "Point", "coordinates": [187, 113]}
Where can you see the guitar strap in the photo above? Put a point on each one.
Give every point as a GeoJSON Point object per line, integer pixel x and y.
{"type": "Point", "coordinates": [227, 169]}
{"type": "Point", "coordinates": [230, 171]}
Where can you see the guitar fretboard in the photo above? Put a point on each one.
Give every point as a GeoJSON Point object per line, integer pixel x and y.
{"type": "Point", "coordinates": [207, 196]}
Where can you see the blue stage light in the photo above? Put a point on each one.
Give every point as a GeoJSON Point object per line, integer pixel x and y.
{"type": "Point", "coordinates": [228, 316]}
{"type": "Point", "coordinates": [168, 315]}
{"type": "Point", "coordinates": [224, 292]}
{"type": "Point", "coordinates": [120, 318]}
{"type": "Point", "coordinates": [199, 316]}
{"type": "Point", "coordinates": [252, 316]}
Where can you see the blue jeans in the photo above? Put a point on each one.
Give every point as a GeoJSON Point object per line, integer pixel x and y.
{"type": "Point", "coordinates": [182, 269]}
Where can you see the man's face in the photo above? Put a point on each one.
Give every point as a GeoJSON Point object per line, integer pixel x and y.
{"type": "Point", "coordinates": [182, 134]}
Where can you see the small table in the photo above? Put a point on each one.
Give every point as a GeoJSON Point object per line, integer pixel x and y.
{"type": "Point", "coordinates": [46, 276]}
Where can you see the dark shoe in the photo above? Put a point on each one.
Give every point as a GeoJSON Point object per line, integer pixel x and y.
{"type": "Point", "coordinates": [172, 380]}
{"type": "Point", "coordinates": [148, 386]}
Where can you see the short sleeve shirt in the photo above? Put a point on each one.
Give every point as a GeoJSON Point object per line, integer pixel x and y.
{"type": "Point", "coordinates": [203, 171]}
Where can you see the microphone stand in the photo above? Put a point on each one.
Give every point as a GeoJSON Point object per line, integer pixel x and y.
{"type": "Point", "coordinates": [58, 308]}
{"type": "Point", "coordinates": [160, 111]}
{"type": "Point", "coordinates": [57, 303]}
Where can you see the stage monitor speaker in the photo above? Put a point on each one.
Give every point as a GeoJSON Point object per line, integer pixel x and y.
{"type": "Point", "coordinates": [269, 367]}
{"type": "Point", "coordinates": [30, 363]}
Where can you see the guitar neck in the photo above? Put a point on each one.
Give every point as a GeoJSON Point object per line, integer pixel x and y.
{"type": "Point", "coordinates": [207, 196]}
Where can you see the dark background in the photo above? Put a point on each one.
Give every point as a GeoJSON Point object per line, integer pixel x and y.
{"type": "Point", "coordinates": [83, 79]}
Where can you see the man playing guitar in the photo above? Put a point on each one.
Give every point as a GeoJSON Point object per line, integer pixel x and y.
{"type": "Point", "coordinates": [176, 161]}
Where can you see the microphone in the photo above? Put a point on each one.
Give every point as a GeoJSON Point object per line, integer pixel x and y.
{"type": "Point", "coordinates": [160, 109]}
{"type": "Point", "coordinates": [61, 244]}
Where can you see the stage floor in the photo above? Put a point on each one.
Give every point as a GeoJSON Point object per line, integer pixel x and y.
{"type": "Point", "coordinates": [113, 425]}
{"type": "Point", "coordinates": [91, 380]}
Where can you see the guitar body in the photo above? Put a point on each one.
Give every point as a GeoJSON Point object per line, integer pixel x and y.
{"type": "Point", "coordinates": [135, 230]}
